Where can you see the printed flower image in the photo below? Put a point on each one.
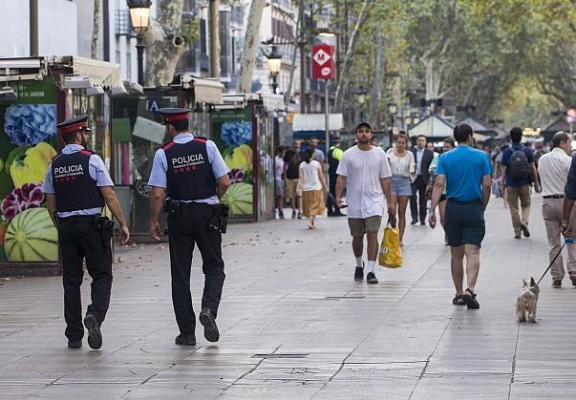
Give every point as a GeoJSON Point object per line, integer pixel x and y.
{"type": "Point", "coordinates": [29, 163]}
{"type": "Point", "coordinates": [29, 124]}
{"type": "Point", "coordinates": [237, 175]}
{"type": "Point", "coordinates": [30, 195]}
{"type": "Point", "coordinates": [236, 133]}
{"type": "Point", "coordinates": [239, 157]}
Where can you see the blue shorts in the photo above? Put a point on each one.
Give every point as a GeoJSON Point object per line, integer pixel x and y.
{"type": "Point", "coordinates": [401, 186]}
{"type": "Point", "coordinates": [464, 223]}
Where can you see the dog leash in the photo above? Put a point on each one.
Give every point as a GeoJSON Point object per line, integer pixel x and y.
{"type": "Point", "coordinates": [566, 240]}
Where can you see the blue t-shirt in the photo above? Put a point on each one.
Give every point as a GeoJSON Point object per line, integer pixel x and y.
{"type": "Point", "coordinates": [464, 168]}
{"type": "Point", "coordinates": [506, 161]}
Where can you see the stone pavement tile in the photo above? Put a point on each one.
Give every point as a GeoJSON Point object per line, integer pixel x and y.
{"type": "Point", "coordinates": [18, 390]}
{"type": "Point", "coordinates": [200, 373]}
{"type": "Point", "coordinates": [463, 386]}
{"type": "Point", "coordinates": [545, 372]}
{"type": "Point", "coordinates": [277, 390]}
{"type": "Point", "coordinates": [542, 391]}
{"type": "Point", "coordinates": [83, 391]}
{"type": "Point", "coordinates": [409, 371]}
{"type": "Point", "coordinates": [392, 389]}
{"type": "Point", "coordinates": [446, 367]}
{"type": "Point", "coordinates": [175, 390]}
{"type": "Point", "coordinates": [303, 371]}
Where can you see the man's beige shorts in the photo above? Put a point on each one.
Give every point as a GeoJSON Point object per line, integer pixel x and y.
{"type": "Point", "coordinates": [290, 185]}
{"type": "Point", "coordinates": [359, 226]}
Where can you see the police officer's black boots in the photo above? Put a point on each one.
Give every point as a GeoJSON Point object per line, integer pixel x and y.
{"type": "Point", "coordinates": [207, 320]}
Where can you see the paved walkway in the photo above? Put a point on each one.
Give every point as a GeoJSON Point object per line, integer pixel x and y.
{"type": "Point", "coordinates": [295, 325]}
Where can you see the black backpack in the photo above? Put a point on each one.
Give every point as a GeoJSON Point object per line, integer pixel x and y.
{"type": "Point", "coordinates": [519, 167]}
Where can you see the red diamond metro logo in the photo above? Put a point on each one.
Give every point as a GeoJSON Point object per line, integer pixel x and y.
{"type": "Point", "coordinates": [321, 57]}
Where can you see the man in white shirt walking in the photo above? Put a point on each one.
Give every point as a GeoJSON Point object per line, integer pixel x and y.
{"type": "Point", "coordinates": [553, 169]}
{"type": "Point", "coordinates": [366, 172]}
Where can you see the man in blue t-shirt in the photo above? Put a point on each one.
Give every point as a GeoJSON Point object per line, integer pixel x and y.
{"type": "Point", "coordinates": [519, 187]}
{"type": "Point", "coordinates": [466, 173]}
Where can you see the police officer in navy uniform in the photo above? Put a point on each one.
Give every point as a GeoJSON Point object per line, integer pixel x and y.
{"type": "Point", "coordinates": [189, 178]}
{"type": "Point", "coordinates": [77, 186]}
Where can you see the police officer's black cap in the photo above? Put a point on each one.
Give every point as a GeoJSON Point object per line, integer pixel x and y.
{"type": "Point", "coordinates": [173, 114]}
{"type": "Point", "coordinates": [74, 125]}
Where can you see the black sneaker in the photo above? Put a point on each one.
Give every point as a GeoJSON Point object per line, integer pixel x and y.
{"type": "Point", "coordinates": [185, 340]}
{"type": "Point", "coordinates": [293, 214]}
{"type": "Point", "coordinates": [299, 215]}
{"type": "Point", "coordinates": [359, 273]}
{"type": "Point", "coordinates": [207, 320]}
{"type": "Point", "coordinates": [94, 335]}
{"type": "Point", "coordinates": [74, 344]}
{"type": "Point", "coordinates": [371, 278]}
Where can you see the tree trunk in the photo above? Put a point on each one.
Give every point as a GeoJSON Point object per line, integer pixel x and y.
{"type": "Point", "coordinates": [164, 50]}
{"type": "Point", "coordinates": [343, 82]}
{"type": "Point", "coordinates": [250, 46]}
{"type": "Point", "coordinates": [375, 95]}
{"type": "Point", "coordinates": [95, 30]}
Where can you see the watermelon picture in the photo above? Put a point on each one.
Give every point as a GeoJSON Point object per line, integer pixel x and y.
{"type": "Point", "coordinates": [239, 198]}
{"type": "Point", "coordinates": [31, 236]}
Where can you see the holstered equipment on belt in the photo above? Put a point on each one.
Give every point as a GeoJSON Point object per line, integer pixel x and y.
{"type": "Point", "coordinates": [219, 220]}
{"type": "Point", "coordinates": [106, 227]}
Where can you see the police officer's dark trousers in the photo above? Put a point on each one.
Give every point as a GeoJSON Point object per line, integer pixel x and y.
{"type": "Point", "coordinates": [185, 229]}
{"type": "Point", "coordinates": [80, 240]}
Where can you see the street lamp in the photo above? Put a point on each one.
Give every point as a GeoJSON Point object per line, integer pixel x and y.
{"type": "Point", "coordinates": [140, 18]}
{"type": "Point", "coordinates": [274, 65]}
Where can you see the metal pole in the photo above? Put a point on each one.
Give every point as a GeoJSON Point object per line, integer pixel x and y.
{"type": "Point", "coordinates": [326, 121]}
{"type": "Point", "coordinates": [140, 51]}
{"type": "Point", "coordinates": [274, 83]}
{"type": "Point", "coordinates": [34, 28]}
{"type": "Point", "coordinates": [302, 44]}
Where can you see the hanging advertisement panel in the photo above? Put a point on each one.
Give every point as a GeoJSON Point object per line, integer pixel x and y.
{"type": "Point", "coordinates": [27, 137]}
{"type": "Point", "coordinates": [232, 133]}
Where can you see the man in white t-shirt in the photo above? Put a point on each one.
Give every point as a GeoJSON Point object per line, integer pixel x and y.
{"type": "Point", "coordinates": [366, 172]}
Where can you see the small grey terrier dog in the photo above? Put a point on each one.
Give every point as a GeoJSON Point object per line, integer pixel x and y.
{"type": "Point", "coordinates": [526, 301]}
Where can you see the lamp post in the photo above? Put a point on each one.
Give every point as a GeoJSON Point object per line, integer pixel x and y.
{"type": "Point", "coordinates": [274, 65]}
{"type": "Point", "coordinates": [140, 18]}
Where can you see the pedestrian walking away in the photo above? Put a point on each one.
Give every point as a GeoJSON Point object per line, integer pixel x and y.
{"type": "Point", "coordinates": [553, 171]}
{"type": "Point", "coordinates": [312, 186]}
{"type": "Point", "coordinates": [423, 157]}
{"type": "Point", "coordinates": [365, 171]}
{"type": "Point", "coordinates": [466, 173]}
{"type": "Point", "coordinates": [77, 186]}
{"type": "Point", "coordinates": [519, 170]}
{"type": "Point", "coordinates": [189, 178]}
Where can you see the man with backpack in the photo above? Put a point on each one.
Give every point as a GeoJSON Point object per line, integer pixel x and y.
{"type": "Point", "coordinates": [520, 171]}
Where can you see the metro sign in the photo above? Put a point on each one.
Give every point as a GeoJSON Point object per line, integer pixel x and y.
{"type": "Point", "coordinates": [323, 63]}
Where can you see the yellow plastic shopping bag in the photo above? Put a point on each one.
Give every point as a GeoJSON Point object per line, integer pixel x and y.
{"type": "Point", "coordinates": [390, 254]}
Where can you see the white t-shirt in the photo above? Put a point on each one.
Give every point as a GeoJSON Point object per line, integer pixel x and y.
{"type": "Point", "coordinates": [364, 169]}
{"type": "Point", "coordinates": [309, 175]}
{"type": "Point", "coordinates": [278, 167]}
{"type": "Point", "coordinates": [400, 166]}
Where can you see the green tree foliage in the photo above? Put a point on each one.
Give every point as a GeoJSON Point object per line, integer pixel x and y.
{"type": "Point", "coordinates": [473, 52]}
